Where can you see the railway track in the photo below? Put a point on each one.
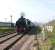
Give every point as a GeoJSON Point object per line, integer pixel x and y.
{"type": "Point", "coordinates": [15, 42]}
{"type": "Point", "coordinates": [5, 34]}
{"type": "Point", "coordinates": [20, 42]}
{"type": "Point", "coordinates": [28, 44]}
{"type": "Point", "coordinates": [7, 41]}
{"type": "Point", "coordinates": [3, 39]}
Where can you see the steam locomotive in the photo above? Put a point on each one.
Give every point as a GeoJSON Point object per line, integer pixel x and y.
{"type": "Point", "coordinates": [23, 25]}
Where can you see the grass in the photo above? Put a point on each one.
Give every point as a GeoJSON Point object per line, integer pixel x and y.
{"type": "Point", "coordinates": [51, 38]}
{"type": "Point", "coordinates": [2, 31]}
{"type": "Point", "coordinates": [7, 30]}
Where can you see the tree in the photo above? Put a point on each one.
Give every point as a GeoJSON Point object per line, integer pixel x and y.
{"type": "Point", "coordinates": [38, 29]}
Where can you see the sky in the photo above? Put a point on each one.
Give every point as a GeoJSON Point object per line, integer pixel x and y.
{"type": "Point", "coordinates": [36, 10]}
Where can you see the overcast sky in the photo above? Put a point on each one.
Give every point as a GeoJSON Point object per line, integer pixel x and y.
{"type": "Point", "coordinates": [35, 10]}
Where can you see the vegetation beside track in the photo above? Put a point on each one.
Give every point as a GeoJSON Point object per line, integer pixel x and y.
{"type": "Point", "coordinates": [7, 30]}
{"type": "Point", "coordinates": [4, 31]}
{"type": "Point", "coordinates": [51, 36]}
{"type": "Point", "coordinates": [42, 44]}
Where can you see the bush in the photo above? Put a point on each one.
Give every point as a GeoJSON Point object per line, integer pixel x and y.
{"type": "Point", "coordinates": [38, 29]}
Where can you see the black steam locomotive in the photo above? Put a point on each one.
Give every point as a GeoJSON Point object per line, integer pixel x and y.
{"type": "Point", "coordinates": [23, 25]}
